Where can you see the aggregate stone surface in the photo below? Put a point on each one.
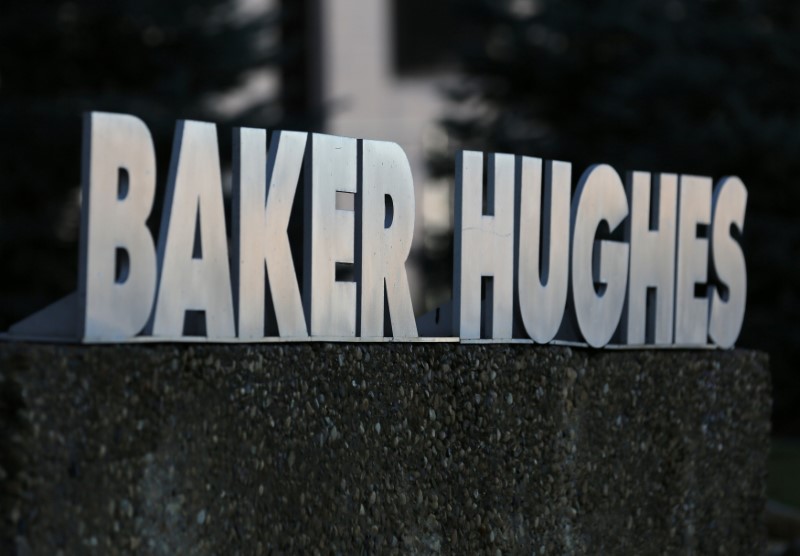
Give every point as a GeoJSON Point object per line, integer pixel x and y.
{"type": "Point", "coordinates": [381, 448]}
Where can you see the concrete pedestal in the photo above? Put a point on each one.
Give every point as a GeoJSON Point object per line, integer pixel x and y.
{"type": "Point", "coordinates": [362, 448]}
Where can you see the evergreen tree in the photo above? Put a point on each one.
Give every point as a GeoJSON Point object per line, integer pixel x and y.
{"type": "Point", "coordinates": [160, 61]}
{"type": "Point", "coordinates": [707, 87]}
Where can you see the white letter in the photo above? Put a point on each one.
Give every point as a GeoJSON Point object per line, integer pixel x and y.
{"type": "Point", "coordinates": [262, 203]}
{"type": "Point", "coordinates": [484, 245]}
{"type": "Point", "coordinates": [192, 248]}
{"type": "Point", "coordinates": [694, 209]}
{"type": "Point", "coordinates": [599, 268]}
{"type": "Point", "coordinates": [727, 311]}
{"type": "Point", "coordinates": [117, 276]}
{"type": "Point", "coordinates": [329, 236]}
{"type": "Point", "coordinates": [385, 208]}
{"type": "Point", "coordinates": [651, 280]}
{"type": "Point", "coordinates": [543, 224]}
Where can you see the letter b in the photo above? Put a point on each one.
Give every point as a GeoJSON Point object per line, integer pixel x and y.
{"type": "Point", "coordinates": [117, 272]}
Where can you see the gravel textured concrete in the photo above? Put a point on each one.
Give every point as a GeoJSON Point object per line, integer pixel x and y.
{"type": "Point", "coordinates": [362, 448]}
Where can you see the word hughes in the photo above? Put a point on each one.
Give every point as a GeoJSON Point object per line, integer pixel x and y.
{"type": "Point", "coordinates": [654, 261]}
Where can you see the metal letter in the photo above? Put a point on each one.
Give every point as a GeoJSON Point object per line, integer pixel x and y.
{"type": "Point", "coordinates": [192, 247]}
{"type": "Point", "coordinates": [385, 209]}
{"type": "Point", "coordinates": [599, 268]}
{"type": "Point", "coordinates": [329, 236]}
{"type": "Point", "coordinates": [484, 245]}
{"type": "Point", "coordinates": [117, 276]}
{"type": "Point", "coordinates": [543, 225]}
{"type": "Point", "coordinates": [727, 307]}
{"type": "Point", "coordinates": [651, 234]}
{"type": "Point", "coordinates": [263, 194]}
{"type": "Point", "coordinates": [691, 312]}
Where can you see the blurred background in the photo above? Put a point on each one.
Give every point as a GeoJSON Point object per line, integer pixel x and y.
{"type": "Point", "coordinates": [709, 87]}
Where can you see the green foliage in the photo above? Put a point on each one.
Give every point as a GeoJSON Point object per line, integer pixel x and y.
{"type": "Point", "coordinates": [705, 86]}
{"type": "Point", "coordinates": [709, 87]}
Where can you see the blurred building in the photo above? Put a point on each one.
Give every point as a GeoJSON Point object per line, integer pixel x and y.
{"type": "Point", "coordinates": [375, 69]}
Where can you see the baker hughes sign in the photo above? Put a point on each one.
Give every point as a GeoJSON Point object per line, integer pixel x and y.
{"type": "Point", "coordinates": [655, 261]}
